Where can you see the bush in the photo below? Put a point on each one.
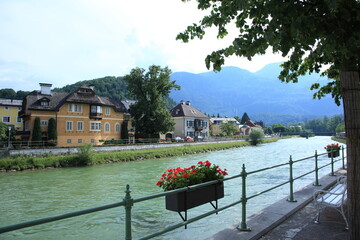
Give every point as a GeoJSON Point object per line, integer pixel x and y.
{"type": "Point", "coordinates": [84, 156]}
{"type": "Point", "coordinates": [256, 136]}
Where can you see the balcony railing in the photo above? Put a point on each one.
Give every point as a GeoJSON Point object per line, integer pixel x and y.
{"type": "Point", "coordinates": [128, 202]}
{"type": "Point", "coordinates": [95, 115]}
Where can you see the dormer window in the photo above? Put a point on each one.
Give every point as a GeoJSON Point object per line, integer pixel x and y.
{"type": "Point", "coordinates": [44, 103]}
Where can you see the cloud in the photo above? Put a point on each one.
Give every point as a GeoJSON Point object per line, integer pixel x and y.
{"type": "Point", "coordinates": [62, 42]}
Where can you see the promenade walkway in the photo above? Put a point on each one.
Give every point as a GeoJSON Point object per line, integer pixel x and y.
{"type": "Point", "coordinates": [285, 220]}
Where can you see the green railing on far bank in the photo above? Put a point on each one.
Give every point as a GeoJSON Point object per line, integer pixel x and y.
{"type": "Point", "coordinates": [128, 201]}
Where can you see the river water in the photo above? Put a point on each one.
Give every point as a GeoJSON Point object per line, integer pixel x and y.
{"type": "Point", "coordinates": [31, 195]}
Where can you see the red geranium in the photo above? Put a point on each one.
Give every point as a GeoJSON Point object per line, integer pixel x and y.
{"type": "Point", "coordinates": [183, 177]}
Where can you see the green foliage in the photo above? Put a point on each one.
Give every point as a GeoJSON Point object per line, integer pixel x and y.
{"type": "Point", "coordinates": [325, 125]}
{"type": "Point", "coordinates": [149, 112]}
{"type": "Point", "coordinates": [85, 155]}
{"type": "Point", "coordinates": [124, 130]}
{"type": "Point", "coordinates": [3, 132]}
{"type": "Point", "coordinates": [256, 136]}
{"type": "Point", "coordinates": [313, 34]}
{"type": "Point", "coordinates": [36, 133]}
{"type": "Point", "coordinates": [244, 118]}
{"type": "Point", "coordinates": [112, 87]}
{"type": "Point", "coordinates": [268, 130]}
{"type": "Point", "coordinates": [10, 93]}
{"type": "Point", "coordinates": [52, 133]}
{"type": "Point", "coordinates": [340, 128]}
{"type": "Point", "coordinates": [228, 128]}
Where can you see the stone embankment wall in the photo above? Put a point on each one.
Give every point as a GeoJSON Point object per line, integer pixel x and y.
{"type": "Point", "coordinates": [74, 150]}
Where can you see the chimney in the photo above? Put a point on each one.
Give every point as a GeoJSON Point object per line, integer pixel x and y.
{"type": "Point", "coordinates": [45, 88]}
{"type": "Point", "coordinates": [188, 103]}
{"type": "Point", "coordinates": [92, 87]}
{"type": "Point", "coordinates": [182, 102]}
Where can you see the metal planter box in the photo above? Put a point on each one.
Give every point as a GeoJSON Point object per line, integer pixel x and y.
{"type": "Point", "coordinates": [334, 154]}
{"type": "Point", "coordinates": [183, 201]}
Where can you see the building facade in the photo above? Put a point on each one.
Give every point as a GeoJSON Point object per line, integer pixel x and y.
{"type": "Point", "coordinates": [9, 109]}
{"type": "Point", "coordinates": [81, 116]}
{"type": "Point", "coordinates": [215, 125]}
{"type": "Point", "coordinates": [189, 121]}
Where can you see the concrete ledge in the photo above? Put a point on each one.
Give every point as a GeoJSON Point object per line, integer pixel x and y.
{"type": "Point", "coordinates": [262, 222]}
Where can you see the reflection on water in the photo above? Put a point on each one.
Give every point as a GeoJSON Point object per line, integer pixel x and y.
{"type": "Point", "coordinates": [35, 194]}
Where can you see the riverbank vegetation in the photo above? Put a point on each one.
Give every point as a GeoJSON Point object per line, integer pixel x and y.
{"type": "Point", "coordinates": [87, 156]}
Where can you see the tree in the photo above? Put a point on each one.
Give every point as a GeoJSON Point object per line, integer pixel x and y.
{"type": "Point", "coordinates": [124, 130]}
{"type": "Point", "coordinates": [3, 132]}
{"type": "Point", "coordinates": [52, 133]}
{"type": "Point", "coordinates": [228, 128]}
{"type": "Point", "coordinates": [314, 35]}
{"type": "Point", "coordinates": [36, 133]}
{"type": "Point", "coordinates": [149, 112]}
{"type": "Point", "coordinates": [244, 118]}
{"type": "Point", "coordinates": [256, 136]}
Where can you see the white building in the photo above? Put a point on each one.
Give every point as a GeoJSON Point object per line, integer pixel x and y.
{"type": "Point", "coordinates": [189, 121]}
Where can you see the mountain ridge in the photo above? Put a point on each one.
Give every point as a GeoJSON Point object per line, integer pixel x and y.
{"type": "Point", "coordinates": [233, 91]}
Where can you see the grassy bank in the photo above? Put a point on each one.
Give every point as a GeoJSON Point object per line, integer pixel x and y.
{"type": "Point", "coordinates": [86, 157]}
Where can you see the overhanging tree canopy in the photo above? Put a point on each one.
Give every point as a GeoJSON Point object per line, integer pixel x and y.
{"type": "Point", "coordinates": [315, 35]}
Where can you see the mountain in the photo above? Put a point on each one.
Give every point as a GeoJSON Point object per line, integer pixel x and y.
{"type": "Point", "coordinates": [233, 91]}
{"type": "Point", "coordinates": [112, 87]}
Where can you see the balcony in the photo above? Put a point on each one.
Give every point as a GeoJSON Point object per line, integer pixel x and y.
{"type": "Point", "coordinates": [96, 115]}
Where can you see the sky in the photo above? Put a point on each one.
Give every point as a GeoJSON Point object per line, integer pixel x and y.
{"type": "Point", "coordinates": [63, 42]}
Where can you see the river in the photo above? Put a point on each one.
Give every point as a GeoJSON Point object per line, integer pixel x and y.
{"type": "Point", "coordinates": [31, 195]}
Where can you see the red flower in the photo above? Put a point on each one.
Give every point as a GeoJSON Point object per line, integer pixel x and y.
{"type": "Point", "coordinates": [185, 175]}
{"type": "Point", "coordinates": [158, 183]}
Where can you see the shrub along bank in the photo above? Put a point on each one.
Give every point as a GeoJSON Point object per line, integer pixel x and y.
{"type": "Point", "coordinates": [87, 157]}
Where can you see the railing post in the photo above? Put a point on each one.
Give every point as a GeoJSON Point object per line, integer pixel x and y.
{"type": "Point", "coordinates": [291, 181]}
{"type": "Point", "coordinates": [332, 164]}
{"type": "Point", "coordinates": [342, 157]}
{"type": "Point", "coordinates": [128, 205]}
{"type": "Point", "coordinates": [316, 183]}
{"type": "Point", "coordinates": [243, 226]}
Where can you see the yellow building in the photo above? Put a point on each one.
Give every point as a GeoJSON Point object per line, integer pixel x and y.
{"type": "Point", "coordinates": [81, 116]}
{"type": "Point", "coordinates": [9, 109]}
{"type": "Point", "coordinates": [215, 124]}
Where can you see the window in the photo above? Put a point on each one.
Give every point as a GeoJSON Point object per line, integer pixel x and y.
{"type": "Point", "coordinates": [6, 108]}
{"type": "Point", "coordinates": [68, 141]}
{"type": "Point", "coordinates": [107, 127]}
{"type": "Point", "coordinates": [18, 119]}
{"type": "Point", "coordinates": [74, 107]}
{"type": "Point", "coordinates": [107, 111]}
{"type": "Point", "coordinates": [6, 119]}
{"type": "Point", "coordinates": [80, 126]}
{"type": "Point", "coordinates": [92, 140]}
{"type": "Point", "coordinates": [44, 103]}
{"type": "Point", "coordinates": [69, 126]}
{"type": "Point", "coordinates": [95, 126]}
{"type": "Point", "coordinates": [117, 127]}
{"type": "Point", "coordinates": [79, 140]}
{"type": "Point", "coordinates": [43, 122]}
{"type": "Point", "coordinates": [96, 109]}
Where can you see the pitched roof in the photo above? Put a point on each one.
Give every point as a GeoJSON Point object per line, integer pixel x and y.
{"type": "Point", "coordinates": [10, 102]}
{"type": "Point", "coordinates": [186, 110]}
{"type": "Point", "coordinates": [83, 94]}
{"type": "Point", "coordinates": [225, 120]}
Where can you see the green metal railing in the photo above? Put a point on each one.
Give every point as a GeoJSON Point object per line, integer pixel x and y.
{"type": "Point", "coordinates": [128, 201]}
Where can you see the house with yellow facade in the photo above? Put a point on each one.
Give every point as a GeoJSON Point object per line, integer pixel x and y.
{"type": "Point", "coordinates": [81, 116]}
{"type": "Point", "coordinates": [215, 124]}
{"type": "Point", "coordinates": [9, 109]}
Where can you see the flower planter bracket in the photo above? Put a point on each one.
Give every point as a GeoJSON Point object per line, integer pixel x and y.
{"type": "Point", "coordinates": [182, 201]}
